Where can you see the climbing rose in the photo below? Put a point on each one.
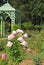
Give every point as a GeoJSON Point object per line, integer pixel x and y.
{"type": "Point", "coordinates": [9, 44]}
{"type": "Point", "coordinates": [3, 56]}
{"type": "Point", "coordinates": [20, 39]}
{"type": "Point", "coordinates": [24, 43]}
{"type": "Point", "coordinates": [19, 31]}
{"type": "Point", "coordinates": [10, 37]}
{"type": "Point", "coordinates": [25, 35]}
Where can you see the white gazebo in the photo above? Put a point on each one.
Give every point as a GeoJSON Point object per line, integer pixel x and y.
{"type": "Point", "coordinates": [7, 16]}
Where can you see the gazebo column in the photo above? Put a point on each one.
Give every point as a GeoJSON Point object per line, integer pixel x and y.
{"type": "Point", "coordinates": [12, 19]}
{"type": "Point", "coordinates": [1, 27]}
{"type": "Point", "coordinates": [12, 23]}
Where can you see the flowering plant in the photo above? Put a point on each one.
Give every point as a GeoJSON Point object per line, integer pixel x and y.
{"type": "Point", "coordinates": [15, 44]}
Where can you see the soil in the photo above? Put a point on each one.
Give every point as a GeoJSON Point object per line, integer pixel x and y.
{"type": "Point", "coordinates": [42, 62]}
{"type": "Point", "coordinates": [27, 62]}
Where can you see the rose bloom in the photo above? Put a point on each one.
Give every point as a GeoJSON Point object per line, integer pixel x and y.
{"type": "Point", "coordinates": [25, 35]}
{"type": "Point", "coordinates": [10, 37]}
{"type": "Point", "coordinates": [18, 30]}
{"type": "Point", "coordinates": [24, 43]}
{"type": "Point", "coordinates": [14, 32]}
{"type": "Point", "coordinates": [3, 56]}
{"type": "Point", "coordinates": [9, 44]}
{"type": "Point", "coordinates": [20, 39]}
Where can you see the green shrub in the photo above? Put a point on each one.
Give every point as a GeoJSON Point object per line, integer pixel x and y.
{"type": "Point", "coordinates": [0, 30]}
{"type": "Point", "coordinates": [3, 62]}
{"type": "Point", "coordinates": [37, 27]}
{"type": "Point", "coordinates": [29, 34]}
{"type": "Point", "coordinates": [42, 26]}
{"type": "Point", "coordinates": [15, 52]}
{"type": "Point", "coordinates": [15, 26]}
{"type": "Point", "coordinates": [2, 44]}
{"type": "Point", "coordinates": [37, 61]}
{"type": "Point", "coordinates": [0, 27]}
{"type": "Point", "coordinates": [27, 25]}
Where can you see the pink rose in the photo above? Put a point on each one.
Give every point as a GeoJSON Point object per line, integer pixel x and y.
{"type": "Point", "coordinates": [3, 56]}
{"type": "Point", "coordinates": [10, 37]}
{"type": "Point", "coordinates": [25, 35]}
{"type": "Point", "coordinates": [9, 44]}
{"type": "Point", "coordinates": [18, 30]}
{"type": "Point", "coordinates": [24, 43]}
{"type": "Point", "coordinates": [20, 39]}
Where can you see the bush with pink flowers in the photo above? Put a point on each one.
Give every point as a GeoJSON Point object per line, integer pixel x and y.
{"type": "Point", "coordinates": [14, 47]}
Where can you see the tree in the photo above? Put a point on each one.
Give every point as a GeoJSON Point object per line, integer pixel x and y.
{"type": "Point", "coordinates": [31, 10]}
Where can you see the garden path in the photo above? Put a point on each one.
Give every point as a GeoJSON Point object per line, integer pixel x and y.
{"type": "Point", "coordinates": [3, 38]}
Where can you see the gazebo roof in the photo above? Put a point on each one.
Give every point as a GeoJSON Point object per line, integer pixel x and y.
{"type": "Point", "coordinates": [6, 7]}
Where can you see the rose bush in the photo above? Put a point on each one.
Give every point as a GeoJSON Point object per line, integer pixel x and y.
{"type": "Point", "coordinates": [16, 43]}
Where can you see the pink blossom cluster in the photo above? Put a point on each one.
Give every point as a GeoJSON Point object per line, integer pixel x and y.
{"type": "Point", "coordinates": [3, 56]}
{"type": "Point", "coordinates": [20, 39]}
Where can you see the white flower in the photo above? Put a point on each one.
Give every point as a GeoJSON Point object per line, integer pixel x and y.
{"type": "Point", "coordinates": [18, 30]}
{"type": "Point", "coordinates": [9, 44]}
{"type": "Point", "coordinates": [14, 32]}
{"type": "Point", "coordinates": [10, 37]}
{"type": "Point", "coordinates": [24, 43]}
{"type": "Point", "coordinates": [20, 39]}
{"type": "Point", "coordinates": [25, 35]}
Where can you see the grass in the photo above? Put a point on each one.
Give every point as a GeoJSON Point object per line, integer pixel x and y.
{"type": "Point", "coordinates": [2, 45]}
{"type": "Point", "coordinates": [34, 42]}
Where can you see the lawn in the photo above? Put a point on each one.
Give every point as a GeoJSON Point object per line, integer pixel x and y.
{"type": "Point", "coordinates": [35, 42]}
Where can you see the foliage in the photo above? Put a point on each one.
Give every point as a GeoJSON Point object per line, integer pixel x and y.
{"type": "Point", "coordinates": [2, 44]}
{"type": "Point", "coordinates": [37, 27]}
{"type": "Point", "coordinates": [0, 30]}
{"type": "Point", "coordinates": [15, 26]}
{"type": "Point", "coordinates": [37, 61]}
{"type": "Point", "coordinates": [36, 37]}
{"type": "Point", "coordinates": [3, 62]}
{"type": "Point", "coordinates": [42, 26]}
{"type": "Point", "coordinates": [0, 27]}
{"type": "Point", "coordinates": [29, 9]}
{"type": "Point", "coordinates": [15, 51]}
{"type": "Point", "coordinates": [27, 25]}
{"type": "Point", "coordinates": [29, 34]}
